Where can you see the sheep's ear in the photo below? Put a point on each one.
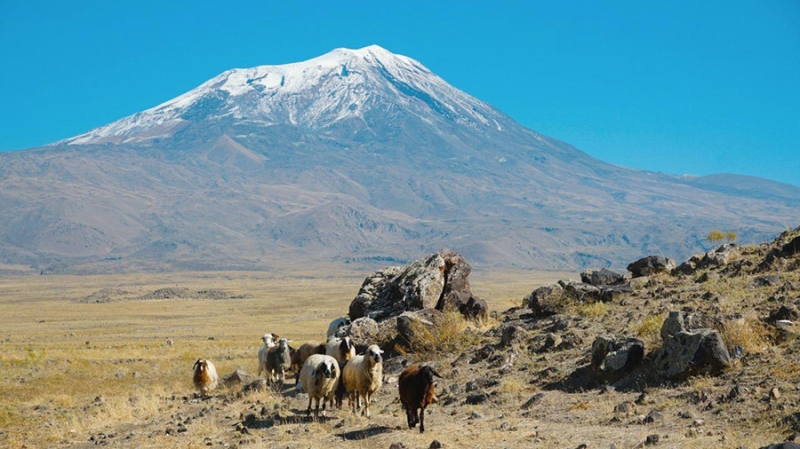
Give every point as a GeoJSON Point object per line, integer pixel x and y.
{"type": "Point", "coordinates": [436, 374]}
{"type": "Point", "coordinates": [380, 351]}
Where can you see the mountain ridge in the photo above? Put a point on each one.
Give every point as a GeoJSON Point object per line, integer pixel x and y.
{"type": "Point", "coordinates": [412, 170]}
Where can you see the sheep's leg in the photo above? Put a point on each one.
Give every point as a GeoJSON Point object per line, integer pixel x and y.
{"type": "Point", "coordinates": [308, 412]}
{"type": "Point", "coordinates": [316, 411]}
{"type": "Point", "coordinates": [422, 420]}
{"type": "Point", "coordinates": [351, 401]}
{"type": "Point", "coordinates": [366, 403]}
{"type": "Point", "coordinates": [410, 418]}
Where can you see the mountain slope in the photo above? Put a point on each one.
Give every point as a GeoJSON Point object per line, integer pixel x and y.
{"type": "Point", "coordinates": [355, 155]}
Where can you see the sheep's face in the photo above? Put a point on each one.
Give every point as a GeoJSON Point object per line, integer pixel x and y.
{"type": "Point", "coordinates": [347, 346]}
{"type": "Point", "coordinates": [268, 340]}
{"type": "Point", "coordinates": [326, 369]}
{"type": "Point", "coordinates": [200, 365]}
{"type": "Point", "coordinates": [428, 373]}
{"type": "Point", "coordinates": [374, 353]}
{"type": "Point", "coordinates": [284, 344]}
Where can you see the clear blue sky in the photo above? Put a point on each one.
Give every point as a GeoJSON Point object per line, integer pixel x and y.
{"type": "Point", "coordinates": [672, 86]}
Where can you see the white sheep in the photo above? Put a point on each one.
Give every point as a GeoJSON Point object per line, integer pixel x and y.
{"type": "Point", "coordinates": [320, 377]}
{"type": "Point", "coordinates": [279, 359]}
{"type": "Point", "coordinates": [337, 324]}
{"type": "Point", "coordinates": [363, 376]}
{"type": "Point", "coordinates": [342, 349]}
{"type": "Point", "coordinates": [205, 376]}
{"type": "Point", "coordinates": [269, 342]}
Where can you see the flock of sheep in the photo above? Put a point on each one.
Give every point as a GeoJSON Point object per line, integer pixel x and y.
{"type": "Point", "coordinates": [330, 371]}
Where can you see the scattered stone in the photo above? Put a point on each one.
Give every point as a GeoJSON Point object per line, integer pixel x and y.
{"type": "Point", "coordinates": [610, 354]}
{"type": "Point", "coordinates": [653, 416]}
{"type": "Point", "coordinates": [477, 398]}
{"type": "Point", "coordinates": [476, 415]}
{"type": "Point", "coordinates": [765, 281]}
{"type": "Point", "coordinates": [397, 446]}
{"type": "Point", "coordinates": [652, 440]}
{"type": "Point", "coordinates": [435, 444]}
{"type": "Point", "coordinates": [544, 342]}
{"type": "Point", "coordinates": [513, 335]}
{"type": "Point", "coordinates": [238, 377]}
{"type": "Point", "coordinates": [600, 277]}
{"type": "Point", "coordinates": [626, 408]}
{"type": "Point", "coordinates": [481, 383]}
{"type": "Point", "coordinates": [548, 300]}
{"type": "Point", "coordinates": [650, 265]}
{"type": "Point", "coordinates": [536, 398]}
{"type": "Point", "coordinates": [774, 394]}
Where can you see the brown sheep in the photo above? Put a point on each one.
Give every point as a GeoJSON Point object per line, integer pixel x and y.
{"type": "Point", "coordinates": [416, 392]}
{"type": "Point", "coordinates": [302, 353]}
{"type": "Point", "coordinates": [205, 376]}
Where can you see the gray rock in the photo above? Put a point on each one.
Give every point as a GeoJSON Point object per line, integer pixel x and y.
{"type": "Point", "coordinates": [687, 353]}
{"type": "Point", "coordinates": [535, 399]}
{"type": "Point", "coordinates": [791, 248]}
{"type": "Point", "coordinates": [545, 342]}
{"type": "Point", "coordinates": [548, 300]}
{"type": "Point", "coordinates": [408, 322]}
{"type": "Point", "coordinates": [600, 277]}
{"type": "Point", "coordinates": [438, 281]}
{"type": "Point", "coordinates": [362, 331]}
{"type": "Point", "coordinates": [611, 354]}
{"type": "Point", "coordinates": [238, 377]}
{"type": "Point", "coordinates": [649, 265]}
{"type": "Point", "coordinates": [513, 335]}
{"type": "Point", "coordinates": [580, 292]}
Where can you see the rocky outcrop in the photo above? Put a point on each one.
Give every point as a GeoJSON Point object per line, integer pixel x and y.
{"type": "Point", "coordinates": [650, 265]}
{"type": "Point", "coordinates": [410, 322]}
{"type": "Point", "coordinates": [686, 351]}
{"type": "Point", "coordinates": [438, 281]}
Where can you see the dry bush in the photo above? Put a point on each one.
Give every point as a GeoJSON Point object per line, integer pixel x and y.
{"type": "Point", "coordinates": [593, 310]}
{"type": "Point", "coordinates": [452, 333]}
{"type": "Point", "coordinates": [749, 333]}
{"type": "Point", "coordinates": [649, 330]}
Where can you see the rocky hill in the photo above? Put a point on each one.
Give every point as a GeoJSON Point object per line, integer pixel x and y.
{"type": "Point", "coordinates": [357, 156]}
{"type": "Point", "coordinates": [703, 354]}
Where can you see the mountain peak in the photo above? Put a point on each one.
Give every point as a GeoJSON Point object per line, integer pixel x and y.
{"type": "Point", "coordinates": [339, 85]}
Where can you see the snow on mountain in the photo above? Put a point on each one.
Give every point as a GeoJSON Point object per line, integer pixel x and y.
{"type": "Point", "coordinates": [317, 93]}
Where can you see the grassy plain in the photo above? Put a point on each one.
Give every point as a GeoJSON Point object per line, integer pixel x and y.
{"type": "Point", "coordinates": [69, 369]}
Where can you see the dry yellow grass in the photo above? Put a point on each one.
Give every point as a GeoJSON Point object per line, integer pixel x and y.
{"type": "Point", "coordinates": [60, 355]}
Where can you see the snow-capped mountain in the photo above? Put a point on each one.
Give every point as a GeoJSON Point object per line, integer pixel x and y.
{"type": "Point", "coordinates": [342, 84]}
{"type": "Point", "coordinates": [358, 156]}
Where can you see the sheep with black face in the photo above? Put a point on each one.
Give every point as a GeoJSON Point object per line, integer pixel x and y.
{"type": "Point", "coordinates": [319, 377]}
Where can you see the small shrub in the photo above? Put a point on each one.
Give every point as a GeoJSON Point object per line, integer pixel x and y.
{"type": "Point", "coordinates": [593, 310]}
{"type": "Point", "coordinates": [650, 330]}
{"type": "Point", "coordinates": [450, 334]}
{"type": "Point", "coordinates": [749, 333]}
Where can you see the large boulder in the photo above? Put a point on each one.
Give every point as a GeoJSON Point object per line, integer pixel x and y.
{"type": "Point", "coordinates": [687, 350]}
{"type": "Point", "coordinates": [547, 300]}
{"type": "Point", "coordinates": [603, 276]}
{"type": "Point", "coordinates": [437, 281]}
{"type": "Point", "coordinates": [650, 265]}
